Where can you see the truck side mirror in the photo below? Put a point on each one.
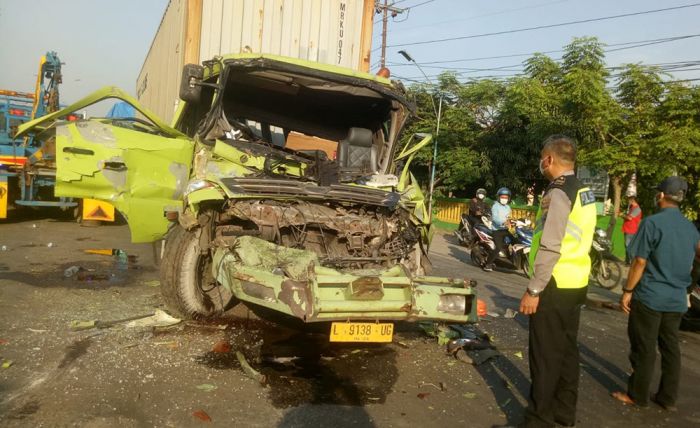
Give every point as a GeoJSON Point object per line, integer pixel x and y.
{"type": "Point", "coordinates": [190, 85]}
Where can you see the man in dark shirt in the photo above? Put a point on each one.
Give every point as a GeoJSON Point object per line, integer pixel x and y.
{"type": "Point", "coordinates": [655, 296]}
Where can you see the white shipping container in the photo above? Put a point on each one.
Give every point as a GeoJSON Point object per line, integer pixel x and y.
{"type": "Point", "coordinates": [337, 32]}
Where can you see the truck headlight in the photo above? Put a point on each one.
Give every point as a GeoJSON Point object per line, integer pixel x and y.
{"type": "Point", "coordinates": [453, 304]}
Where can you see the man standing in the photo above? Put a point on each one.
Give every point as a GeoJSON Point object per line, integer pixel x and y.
{"type": "Point", "coordinates": [655, 296]}
{"type": "Point", "coordinates": [559, 269]}
{"type": "Point", "coordinates": [631, 224]}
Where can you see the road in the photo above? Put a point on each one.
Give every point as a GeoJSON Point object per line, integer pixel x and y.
{"type": "Point", "coordinates": [132, 377]}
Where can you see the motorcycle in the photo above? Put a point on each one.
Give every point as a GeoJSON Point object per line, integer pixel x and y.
{"type": "Point", "coordinates": [605, 268]}
{"type": "Point", "coordinates": [517, 247]}
{"type": "Point", "coordinates": [464, 231]}
{"type": "Point", "coordinates": [691, 319]}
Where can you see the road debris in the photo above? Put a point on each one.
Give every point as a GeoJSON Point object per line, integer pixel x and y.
{"type": "Point", "coordinates": [78, 325]}
{"type": "Point", "coordinates": [159, 319]}
{"type": "Point", "coordinates": [469, 395]}
{"type": "Point", "coordinates": [519, 354]}
{"type": "Point", "coordinates": [248, 370]}
{"type": "Point", "coordinates": [201, 415]}
{"type": "Point", "coordinates": [423, 395]}
{"type": "Point", "coordinates": [151, 283]}
{"type": "Point", "coordinates": [207, 387]}
{"type": "Point", "coordinates": [510, 313]}
{"type": "Point", "coordinates": [7, 363]}
{"type": "Point", "coordinates": [222, 347]}
{"type": "Point", "coordinates": [69, 272]}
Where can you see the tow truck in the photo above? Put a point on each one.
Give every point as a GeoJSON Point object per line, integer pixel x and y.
{"type": "Point", "coordinates": [27, 170]}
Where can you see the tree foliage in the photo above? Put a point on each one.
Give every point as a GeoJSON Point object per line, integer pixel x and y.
{"type": "Point", "coordinates": [626, 121]}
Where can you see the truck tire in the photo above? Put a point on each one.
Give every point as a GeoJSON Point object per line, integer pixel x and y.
{"type": "Point", "coordinates": [186, 283]}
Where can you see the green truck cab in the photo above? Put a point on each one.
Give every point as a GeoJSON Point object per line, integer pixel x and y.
{"type": "Point", "coordinates": [281, 183]}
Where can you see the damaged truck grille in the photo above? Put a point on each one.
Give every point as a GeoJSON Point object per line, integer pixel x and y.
{"type": "Point", "coordinates": [335, 192]}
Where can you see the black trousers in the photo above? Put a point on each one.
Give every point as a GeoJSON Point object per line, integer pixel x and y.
{"type": "Point", "coordinates": [554, 357]}
{"type": "Point", "coordinates": [499, 239]}
{"type": "Point", "coordinates": [646, 328]}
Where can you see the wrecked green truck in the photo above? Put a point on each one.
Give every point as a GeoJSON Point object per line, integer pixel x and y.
{"type": "Point", "coordinates": [281, 183]}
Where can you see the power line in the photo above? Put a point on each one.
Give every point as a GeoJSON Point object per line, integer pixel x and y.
{"type": "Point", "coordinates": [540, 27]}
{"type": "Point", "coordinates": [419, 4]}
{"type": "Point", "coordinates": [637, 44]}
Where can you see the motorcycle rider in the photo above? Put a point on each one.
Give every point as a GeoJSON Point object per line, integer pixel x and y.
{"type": "Point", "coordinates": [500, 221]}
{"type": "Point", "coordinates": [477, 208]}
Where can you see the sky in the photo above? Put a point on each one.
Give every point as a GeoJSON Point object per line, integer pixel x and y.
{"type": "Point", "coordinates": [105, 42]}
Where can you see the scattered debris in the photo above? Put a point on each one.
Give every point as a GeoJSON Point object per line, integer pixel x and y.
{"type": "Point", "coordinates": [481, 309]}
{"type": "Point", "coordinates": [50, 245]}
{"type": "Point", "coordinates": [493, 314]}
{"type": "Point", "coordinates": [159, 319]}
{"type": "Point", "coordinates": [469, 395]}
{"type": "Point", "coordinates": [401, 344]}
{"type": "Point", "coordinates": [510, 313]}
{"type": "Point", "coordinates": [36, 330]}
{"type": "Point", "coordinates": [422, 395]}
{"type": "Point", "coordinates": [439, 388]}
{"type": "Point", "coordinates": [519, 354]}
{"type": "Point", "coordinates": [3, 248]}
{"type": "Point", "coordinates": [151, 283]}
{"type": "Point", "coordinates": [172, 344]}
{"type": "Point", "coordinates": [248, 370]}
{"type": "Point", "coordinates": [207, 387]}
{"type": "Point", "coordinates": [222, 347]}
{"type": "Point", "coordinates": [71, 271]}
{"type": "Point", "coordinates": [78, 325]}
{"type": "Point", "coordinates": [202, 416]}
{"type": "Point", "coordinates": [7, 363]}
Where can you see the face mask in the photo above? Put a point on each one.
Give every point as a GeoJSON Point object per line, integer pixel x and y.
{"type": "Point", "coordinates": [480, 196]}
{"type": "Point", "coordinates": [503, 201]}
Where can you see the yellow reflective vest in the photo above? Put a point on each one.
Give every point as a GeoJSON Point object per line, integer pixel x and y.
{"type": "Point", "coordinates": [574, 265]}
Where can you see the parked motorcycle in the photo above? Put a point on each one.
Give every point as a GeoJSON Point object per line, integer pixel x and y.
{"type": "Point", "coordinates": [605, 268]}
{"type": "Point", "coordinates": [517, 248]}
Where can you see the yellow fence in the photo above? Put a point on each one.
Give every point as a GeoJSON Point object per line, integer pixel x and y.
{"type": "Point", "coordinates": [450, 211]}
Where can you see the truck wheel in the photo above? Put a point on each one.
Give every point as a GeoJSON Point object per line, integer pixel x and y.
{"type": "Point", "coordinates": [186, 282]}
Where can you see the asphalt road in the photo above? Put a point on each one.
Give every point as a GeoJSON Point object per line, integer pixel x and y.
{"type": "Point", "coordinates": [123, 376]}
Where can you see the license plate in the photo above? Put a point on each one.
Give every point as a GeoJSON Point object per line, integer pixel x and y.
{"type": "Point", "coordinates": [361, 332]}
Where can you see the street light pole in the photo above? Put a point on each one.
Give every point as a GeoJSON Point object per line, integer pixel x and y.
{"type": "Point", "coordinates": [438, 115]}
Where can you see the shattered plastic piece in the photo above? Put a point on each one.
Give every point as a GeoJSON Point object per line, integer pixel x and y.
{"type": "Point", "coordinates": [207, 387]}
{"type": "Point", "coordinates": [481, 309]}
{"type": "Point", "coordinates": [7, 363]}
{"type": "Point", "coordinates": [78, 325]}
{"type": "Point", "coordinates": [158, 319]}
{"type": "Point", "coordinates": [248, 370]}
{"type": "Point", "coordinates": [469, 395]}
{"type": "Point", "coordinates": [222, 347]}
{"type": "Point", "coordinates": [50, 245]}
{"type": "Point", "coordinates": [493, 314]}
{"type": "Point", "coordinates": [151, 283]}
{"type": "Point", "coordinates": [202, 416]}
{"type": "Point", "coordinates": [519, 354]}
{"type": "Point", "coordinates": [36, 330]}
{"type": "Point", "coordinates": [3, 248]}
{"type": "Point", "coordinates": [510, 313]}
{"type": "Point", "coordinates": [71, 271]}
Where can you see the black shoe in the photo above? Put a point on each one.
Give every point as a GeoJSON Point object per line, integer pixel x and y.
{"type": "Point", "coordinates": [488, 267]}
{"type": "Point", "coordinates": [667, 407]}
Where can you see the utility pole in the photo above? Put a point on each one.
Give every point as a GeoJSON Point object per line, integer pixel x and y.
{"type": "Point", "coordinates": [385, 9]}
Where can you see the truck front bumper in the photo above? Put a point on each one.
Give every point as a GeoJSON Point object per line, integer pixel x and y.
{"type": "Point", "coordinates": [292, 281]}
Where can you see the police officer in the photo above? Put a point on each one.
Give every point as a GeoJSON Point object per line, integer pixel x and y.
{"type": "Point", "coordinates": [559, 268]}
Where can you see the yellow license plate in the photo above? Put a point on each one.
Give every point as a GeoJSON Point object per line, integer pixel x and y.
{"type": "Point", "coordinates": [361, 332]}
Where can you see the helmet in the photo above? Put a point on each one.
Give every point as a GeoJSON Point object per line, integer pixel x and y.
{"type": "Point", "coordinates": [503, 191]}
{"type": "Point", "coordinates": [481, 191]}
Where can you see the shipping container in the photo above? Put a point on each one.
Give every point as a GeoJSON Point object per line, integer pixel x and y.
{"type": "Point", "coordinates": [337, 32]}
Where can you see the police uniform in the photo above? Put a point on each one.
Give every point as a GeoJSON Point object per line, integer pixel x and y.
{"type": "Point", "coordinates": [559, 270]}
